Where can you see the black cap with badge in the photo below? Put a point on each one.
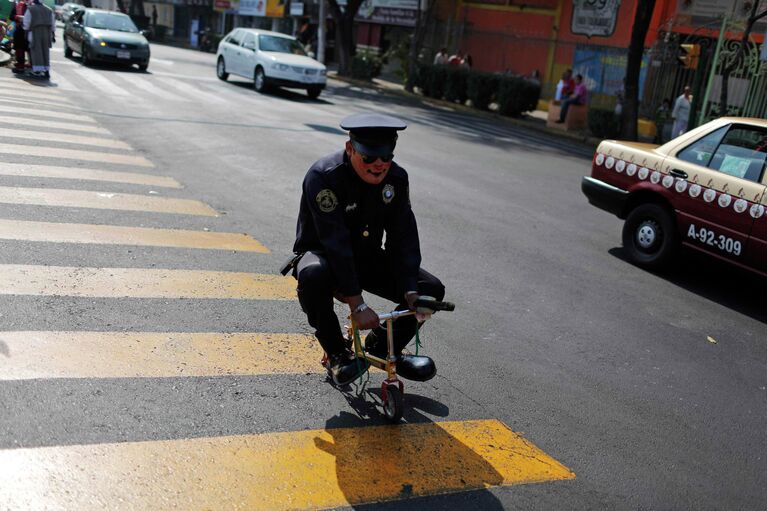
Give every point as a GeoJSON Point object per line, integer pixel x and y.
{"type": "Point", "coordinates": [373, 134]}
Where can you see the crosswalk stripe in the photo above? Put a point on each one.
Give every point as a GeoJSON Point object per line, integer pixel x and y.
{"type": "Point", "coordinates": [39, 112]}
{"type": "Point", "coordinates": [62, 137]}
{"type": "Point", "coordinates": [296, 470]}
{"type": "Point", "coordinates": [120, 235]}
{"type": "Point", "coordinates": [142, 283]}
{"type": "Point", "coordinates": [194, 92]}
{"type": "Point", "coordinates": [13, 93]}
{"type": "Point", "coordinates": [36, 102]}
{"type": "Point", "coordinates": [44, 354]}
{"type": "Point", "coordinates": [100, 82]}
{"type": "Point", "coordinates": [146, 85]}
{"type": "Point", "coordinates": [29, 170]}
{"type": "Point", "coordinates": [75, 154]}
{"type": "Point", "coordinates": [21, 84]}
{"type": "Point", "coordinates": [26, 121]}
{"type": "Point", "coordinates": [62, 83]}
{"type": "Point", "coordinates": [102, 200]}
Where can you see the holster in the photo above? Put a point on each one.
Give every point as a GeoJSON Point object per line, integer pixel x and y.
{"type": "Point", "coordinates": [291, 263]}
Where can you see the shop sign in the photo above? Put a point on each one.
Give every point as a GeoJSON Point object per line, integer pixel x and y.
{"type": "Point", "coordinates": [296, 9]}
{"type": "Point", "coordinates": [222, 4]}
{"type": "Point", "coordinates": [275, 8]}
{"type": "Point", "coordinates": [389, 12]}
{"type": "Point", "coordinates": [252, 8]}
{"type": "Point", "coordinates": [594, 17]}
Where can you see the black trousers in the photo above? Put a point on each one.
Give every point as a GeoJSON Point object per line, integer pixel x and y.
{"type": "Point", "coordinates": [20, 46]}
{"type": "Point", "coordinates": [316, 287]}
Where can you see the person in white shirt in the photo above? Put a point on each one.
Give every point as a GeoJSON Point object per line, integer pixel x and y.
{"type": "Point", "coordinates": [441, 57]}
{"type": "Point", "coordinates": [681, 112]}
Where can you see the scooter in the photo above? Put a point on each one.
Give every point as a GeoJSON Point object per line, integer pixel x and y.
{"type": "Point", "coordinates": [392, 388]}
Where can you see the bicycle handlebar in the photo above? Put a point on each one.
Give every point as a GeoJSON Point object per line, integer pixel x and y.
{"type": "Point", "coordinates": [434, 304]}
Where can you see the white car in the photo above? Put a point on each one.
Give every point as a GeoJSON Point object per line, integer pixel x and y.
{"type": "Point", "coordinates": [269, 59]}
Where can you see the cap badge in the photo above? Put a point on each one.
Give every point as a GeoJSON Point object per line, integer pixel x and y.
{"type": "Point", "coordinates": [327, 200]}
{"type": "Point", "coordinates": [388, 194]}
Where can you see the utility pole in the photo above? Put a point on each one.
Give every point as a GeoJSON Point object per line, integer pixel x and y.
{"type": "Point", "coordinates": [321, 33]}
{"type": "Point", "coordinates": [712, 74]}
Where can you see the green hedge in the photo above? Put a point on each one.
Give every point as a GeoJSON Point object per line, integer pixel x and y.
{"type": "Point", "coordinates": [517, 96]}
{"type": "Point", "coordinates": [603, 123]}
{"type": "Point", "coordinates": [483, 88]}
{"type": "Point", "coordinates": [366, 66]}
{"type": "Point", "coordinates": [456, 84]}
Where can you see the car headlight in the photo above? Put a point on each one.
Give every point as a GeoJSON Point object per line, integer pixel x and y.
{"type": "Point", "coordinates": [280, 67]}
{"type": "Point", "coordinates": [323, 72]}
{"type": "Point", "coordinates": [102, 43]}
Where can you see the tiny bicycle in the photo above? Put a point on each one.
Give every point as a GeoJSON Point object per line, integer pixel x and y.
{"type": "Point", "coordinates": [392, 388]}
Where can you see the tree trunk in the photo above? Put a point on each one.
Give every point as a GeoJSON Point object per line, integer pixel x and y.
{"type": "Point", "coordinates": [121, 6]}
{"type": "Point", "coordinates": [736, 61]}
{"type": "Point", "coordinates": [630, 113]}
{"type": "Point", "coordinates": [419, 33]}
{"type": "Point", "coordinates": [344, 33]}
{"type": "Point", "coordinates": [137, 7]}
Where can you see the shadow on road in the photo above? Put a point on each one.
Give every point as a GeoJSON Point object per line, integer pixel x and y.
{"type": "Point", "coordinates": [282, 93]}
{"type": "Point", "coordinates": [714, 280]}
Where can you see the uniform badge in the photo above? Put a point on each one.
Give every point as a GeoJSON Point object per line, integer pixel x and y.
{"type": "Point", "coordinates": [388, 194]}
{"type": "Point", "coordinates": [327, 200]}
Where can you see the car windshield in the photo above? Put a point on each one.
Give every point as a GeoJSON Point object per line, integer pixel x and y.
{"type": "Point", "coordinates": [109, 21]}
{"type": "Point", "coordinates": [280, 45]}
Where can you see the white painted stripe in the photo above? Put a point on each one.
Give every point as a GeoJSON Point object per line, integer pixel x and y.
{"type": "Point", "coordinates": [100, 82]}
{"type": "Point", "coordinates": [22, 121]}
{"type": "Point", "coordinates": [205, 97]}
{"type": "Point", "coordinates": [164, 62]}
{"type": "Point", "coordinates": [61, 82]}
{"type": "Point", "coordinates": [59, 137]}
{"type": "Point", "coordinates": [39, 112]}
{"type": "Point", "coordinates": [145, 84]}
{"type": "Point", "coordinates": [86, 174]}
{"type": "Point", "coordinates": [73, 154]}
{"type": "Point", "coordinates": [35, 101]}
{"type": "Point", "coordinates": [49, 96]}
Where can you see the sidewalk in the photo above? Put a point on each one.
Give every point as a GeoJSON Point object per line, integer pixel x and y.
{"type": "Point", "coordinates": [535, 120]}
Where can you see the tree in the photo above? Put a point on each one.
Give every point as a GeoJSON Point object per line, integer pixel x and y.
{"type": "Point", "coordinates": [419, 33]}
{"type": "Point", "coordinates": [630, 114]}
{"type": "Point", "coordinates": [739, 55]}
{"type": "Point", "coordinates": [136, 8]}
{"type": "Point", "coordinates": [344, 32]}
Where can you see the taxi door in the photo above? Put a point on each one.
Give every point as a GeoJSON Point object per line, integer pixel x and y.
{"type": "Point", "coordinates": [248, 58]}
{"type": "Point", "coordinates": [717, 181]}
{"type": "Point", "coordinates": [231, 51]}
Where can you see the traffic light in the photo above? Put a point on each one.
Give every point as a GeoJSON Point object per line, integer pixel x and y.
{"type": "Point", "coordinates": [689, 54]}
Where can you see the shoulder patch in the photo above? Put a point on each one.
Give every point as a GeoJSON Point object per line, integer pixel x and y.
{"type": "Point", "coordinates": [327, 200]}
{"type": "Point", "coordinates": [388, 194]}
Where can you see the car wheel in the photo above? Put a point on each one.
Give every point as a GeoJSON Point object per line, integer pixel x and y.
{"type": "Point", "coordinates": [221, 69]}
{"type": "Point", "coordinates": [313, 92]}
{"type": "Point", "coordinates": [87, 61]}
{"type": "Point", "coordinates": [259, 80]}
{"type": "Point", "coordinates": [649, 236]}
{"type": "Point", "coordinates": [143, 67]}
{"type": "Point", "coordinates": [67, 49]}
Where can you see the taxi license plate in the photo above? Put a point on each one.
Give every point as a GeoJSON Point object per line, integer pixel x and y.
{"type": "Point", "coordinates": [123, 54]}
{"type": "Point", "coordinates": [306, 79]}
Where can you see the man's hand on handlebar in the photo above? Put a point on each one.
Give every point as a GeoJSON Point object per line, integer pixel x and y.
{"type": "Point", "coordinates": [364, 317]}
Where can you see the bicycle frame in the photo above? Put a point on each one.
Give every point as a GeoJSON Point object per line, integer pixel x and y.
{"type": "Point", "coordinates": [390, 363]}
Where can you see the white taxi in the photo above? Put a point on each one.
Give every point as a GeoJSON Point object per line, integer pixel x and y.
{"type": "Point", "coordinates": [270, 59]}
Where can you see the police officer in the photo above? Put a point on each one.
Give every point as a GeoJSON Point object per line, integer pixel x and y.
{"type": "Point", "coordinates": [350, 199]}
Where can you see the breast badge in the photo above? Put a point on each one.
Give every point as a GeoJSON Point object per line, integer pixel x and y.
{"type": "Point", "coordinates": [327, 200]}
{"type": "Point", "coordinates": [388, 194]}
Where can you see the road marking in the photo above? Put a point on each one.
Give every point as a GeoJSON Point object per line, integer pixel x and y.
{"type": "Point", "coordinates": [29, 170]}
{"type": "Point", "coordinates": [144, 84]}
{"type": "Point", "coordinates": [297, 470]}
{"type": "Point", "coordinates": [75, 154]}
{"type": "Point", "coordinates": [142, 283]}
{"type": "Point", "coordinates": [61, 82]}
{"type": "Point", "coordinates": [193, 91]}
{"type": "Point", "coordinates": [62, 137]}
{"type": "Point", "coordinates": [13, 93]}
{"type": "Point", "coordinates": [164, 62]}
{"type": "Point", "coordinates": [23, 121]}
{"type": "Point", "coordinates": [155, 354]}
{"type": "Point", "coordinates": [34, 102]}
{"type": "Point", "coordinates": [54, 232]}
{"type": "Point", "coordinates": [101, 200]}
{"type": "Point", "coordinates": [100, 82]}
{"type": "Point", "coordinates": [33, 110]}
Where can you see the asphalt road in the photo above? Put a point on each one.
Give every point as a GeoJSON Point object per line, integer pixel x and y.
{"type": "Point", "coordinates": [606, 368]}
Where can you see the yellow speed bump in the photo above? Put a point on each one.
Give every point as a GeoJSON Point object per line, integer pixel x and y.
{"type": "Point", "coordinates": [102, 200]}
{"type": "Point", "coordinates": [155, 355]}
{"type": "Point", "coordinates": [111, 143]}
{"type": "Point", "coordinates": [120, 235]}
{"type": "Point", "coordinates": [39, 112]}
{"type": "Point", "coordinates": [302, 470]}
{"type": "Point", "coordinates": [5, 119]}
{"type": "Point", "coordinates": [18, 279]}
{"type": "Point", "coordinates": [56, 172]}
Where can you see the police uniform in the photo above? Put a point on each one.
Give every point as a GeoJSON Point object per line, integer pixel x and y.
{"type": "Point", "coordinates": [341, 226]}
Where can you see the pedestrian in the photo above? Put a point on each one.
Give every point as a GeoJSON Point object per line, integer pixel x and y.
{"type": "Point", "coordinates": [466, 62]}
{"type": "Point", "coordinates": [441, 57]}
{"type": "Point", "coordinates": [350, 199]}
{"type": "Point", "coordinates": [455, 59]}
{"type": "Point", "coordinates": [580, 96]}
{"type": "Point", "coordinates": [662, 124]}
{"type": "Point", "coordinates": [681, 112]}
{"type": "Point", "coordinates": [154, 16]}
{"type": "Point", "coordinates": [40, 25]}
{"type": "Point", "coordinates": [565, 86]}
{"type": "Point", "coordinates": [20, 46]}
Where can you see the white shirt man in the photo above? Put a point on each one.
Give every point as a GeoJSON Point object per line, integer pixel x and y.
{"type": "Point", "coordinates": [681, 113]}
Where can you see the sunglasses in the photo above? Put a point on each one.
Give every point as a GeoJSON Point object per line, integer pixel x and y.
{"type": "Point", "coordinates": [371, 159]}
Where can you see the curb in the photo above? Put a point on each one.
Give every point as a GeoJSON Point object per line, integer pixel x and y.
{"type": "Point", "coordinates": [5, 58]}
{"type": "Point", "coordinates": [588, 141]}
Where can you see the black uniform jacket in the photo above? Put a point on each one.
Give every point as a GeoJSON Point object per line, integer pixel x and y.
{"type": "Point", "coordinates": [345, 218]}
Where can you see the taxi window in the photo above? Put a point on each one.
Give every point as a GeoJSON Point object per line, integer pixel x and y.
{"type": "Point", "coordinates": [234, 38]}
{"type": "Point", "coordinates": [742, 153]}
{"type": "Point", "coordinates": [701, 151]}
{"type": "Point", "coordinates": [249, 41]}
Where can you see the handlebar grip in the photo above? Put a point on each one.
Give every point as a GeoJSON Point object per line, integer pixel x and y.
{"type": "Point", "coordinates": [434, 304]}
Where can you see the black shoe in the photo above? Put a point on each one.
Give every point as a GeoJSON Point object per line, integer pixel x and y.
{"type": "Point", "coordinates": [345, 368]}
{"type": "Point", "coordinates": [47, 75]}
{"type": "Point", "coordinates": [559, 121]}
{"type": "Point", "coordinates": [416, 367]}
{"type": "Point", "coordinates": [17, 70]}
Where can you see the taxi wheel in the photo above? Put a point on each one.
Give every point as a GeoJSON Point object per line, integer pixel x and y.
{"type": "Point", "coordinates": [313, 92]}
{"type": "Point", "coordinates": [649, 236]}
{"type": "Point", "coordinates": [259, 81]}
{"type": "Point", "coordinates": [221, 69]}
{"type": "Point", "coordinates": [67, 50]}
